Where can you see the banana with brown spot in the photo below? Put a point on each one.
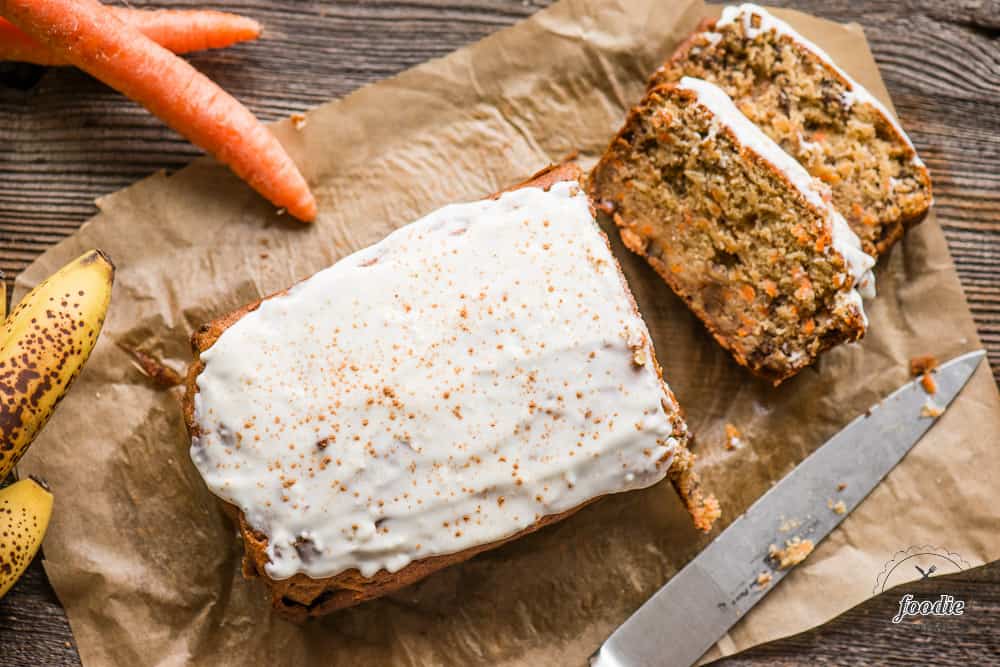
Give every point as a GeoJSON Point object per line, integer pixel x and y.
{"type": "Point", "coordinates": [44, 344]}
{"type": "Point", "coordinates": [25, 508]}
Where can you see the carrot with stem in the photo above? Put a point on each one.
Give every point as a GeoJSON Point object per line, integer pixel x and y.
{"type": "Point", "coordinates": [99, 42]}
{"type": "Point", "coordinates": [177, 30]}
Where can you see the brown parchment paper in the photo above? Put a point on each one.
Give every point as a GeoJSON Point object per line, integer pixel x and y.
{"type": "Point", "coordinates": [147, 565]}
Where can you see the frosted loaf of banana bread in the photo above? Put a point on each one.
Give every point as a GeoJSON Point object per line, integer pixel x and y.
{"type": "Point", "coordinates": [736, 227]}
{"type": "Point", "coordinates": [830, 123]}
{"type": "Point", "coordinates": [474, 376]}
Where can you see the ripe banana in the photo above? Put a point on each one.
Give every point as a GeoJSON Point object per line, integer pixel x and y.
{"type": "Point", "coordinates": [43, 345]}
{"type": "Point", "coordinates": [25, 508]}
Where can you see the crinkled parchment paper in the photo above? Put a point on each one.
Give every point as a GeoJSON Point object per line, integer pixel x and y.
{"type": "Point", "coordinates": [147, 565]}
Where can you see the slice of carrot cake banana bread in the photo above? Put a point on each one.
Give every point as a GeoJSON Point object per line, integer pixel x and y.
{"type": "Point", "coordinates": [478, 374]}
{"type": "Point", "coordinates": [736, 227]}
{"type": "Point", "coordinates": [838, 130]}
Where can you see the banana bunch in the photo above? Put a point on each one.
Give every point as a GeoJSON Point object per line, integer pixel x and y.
{"type": "Point", "coordinates": [43, 345]}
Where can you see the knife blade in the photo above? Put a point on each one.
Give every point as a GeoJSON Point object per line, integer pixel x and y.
{"type": "Point", "coordinates": [711, 593]}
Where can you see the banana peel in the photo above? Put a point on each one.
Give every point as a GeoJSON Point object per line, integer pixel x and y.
{"type": "Point", "coordinates": [25, 509]}
{"type": "Point", "coordinates": [43, 345]}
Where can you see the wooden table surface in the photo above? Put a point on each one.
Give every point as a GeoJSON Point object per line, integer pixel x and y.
{"type": "Point", "coordinates": [67, 140]}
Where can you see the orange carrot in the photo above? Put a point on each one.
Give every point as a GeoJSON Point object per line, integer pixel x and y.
{"type": "Point", "coordinates": [182, 31]}
{"type": "Point", "coordinates": [15, 45]}
{"type": "Point", "coordinates": [97, 41]}
{"type": "Point", "coordinates": [178, 30]}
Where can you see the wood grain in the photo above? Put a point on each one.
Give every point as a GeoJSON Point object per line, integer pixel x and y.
{"type": "Point", "coordinates": [68, 140]}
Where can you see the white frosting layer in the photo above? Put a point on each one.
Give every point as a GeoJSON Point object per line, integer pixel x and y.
{"type": "Point", "coordinates": [447, 387]}
{"type": "Point", "coordinates": [844, 241]}
{"type": "Point", "coordinates": [855, 91]}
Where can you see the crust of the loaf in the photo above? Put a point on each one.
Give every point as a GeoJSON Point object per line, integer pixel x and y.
{"type": "Point", "coordinates": [895, 228]}
{"type": "Point", "coordinates": [854, 326]}
{"type": "Point", "coordinates": [301, 597]}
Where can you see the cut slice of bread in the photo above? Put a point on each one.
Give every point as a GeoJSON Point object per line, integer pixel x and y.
{"type": "Point", "coordinates": [838, 131]}
{"type": "Point", "coordinates": [498, 440]}
{"type": "Point", "coordinates": [736, 227]}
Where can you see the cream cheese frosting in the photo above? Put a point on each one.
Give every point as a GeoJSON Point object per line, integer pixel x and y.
{"type": "Point", "coordinates": [844, 241]}
{"type": "Point", "coordinates": [447, 387]}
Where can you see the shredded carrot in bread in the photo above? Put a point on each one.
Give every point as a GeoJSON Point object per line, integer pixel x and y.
{"type": "Point", "coordinates": [827, 175]}
{"type": "Point", "coordinates": [801, 235]}
{"type": "Point", "coordinates": [805, 290]}
{"type": "Point", "coordinates": [856, 211]}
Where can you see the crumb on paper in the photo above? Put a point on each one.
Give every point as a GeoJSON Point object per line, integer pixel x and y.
{"type": "Point", "coordinates": [923, 364]}
{"type": "Point", "coordinates": [763, 579]}
{"type": "Point", "coordinates": [838, 507]}
{"type": "Point", "coordinates": [927, 382]}
{"type": "Point", "coordinates": [796, 550]}
{"type": "Point", "coordinates": [159, 373]}
{"type": "Point", "coordinates": [789, 524]}
{"type": "Point", "coordinates": [841, 486]}
{"type": "Point", "coordinates": [706, 513]}
{"type": "Point", "coordinates": [298, 120]}
{"type": "Point", "coordinates": [931, 409]}
{"type": "Point", "coordinates": [733, 440]}
{"type": "Point", "coordinates": [571, 156]}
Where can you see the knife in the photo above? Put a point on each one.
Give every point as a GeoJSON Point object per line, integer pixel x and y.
{"type": "Point", "coordinates": [693, 610]}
